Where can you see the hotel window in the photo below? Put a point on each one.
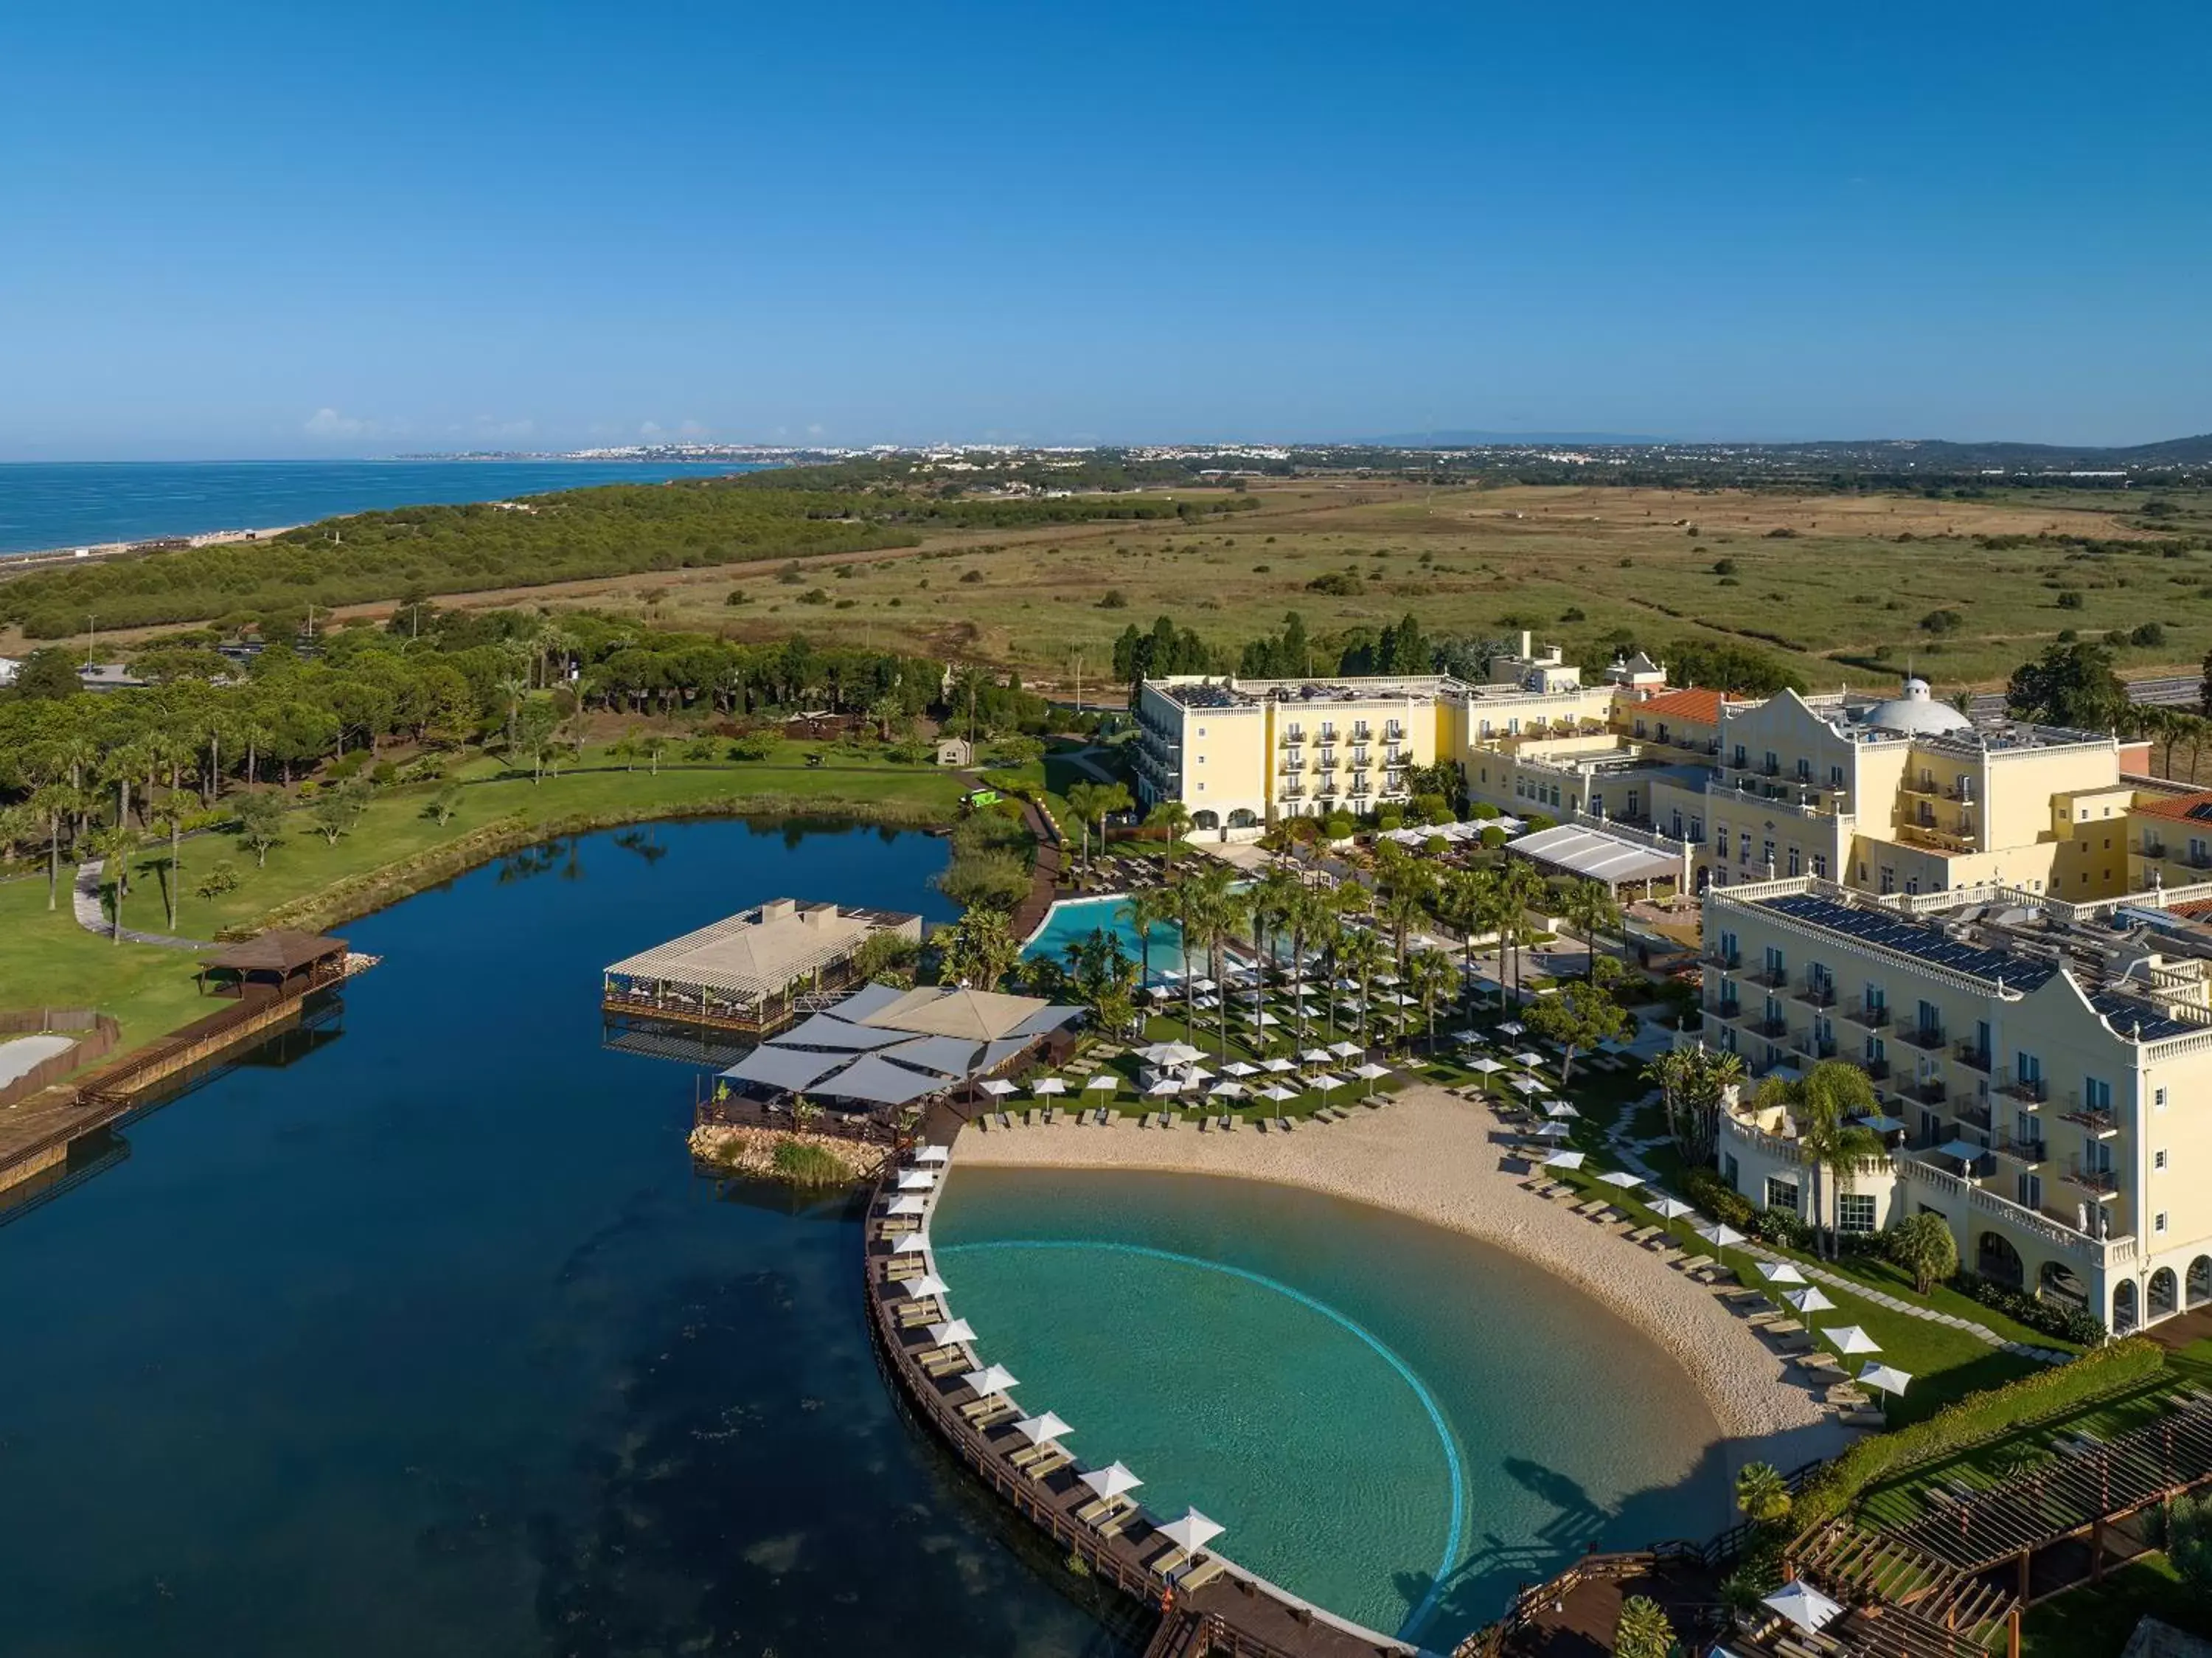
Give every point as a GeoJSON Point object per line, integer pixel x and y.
{"type": "Point", "coordinates": [1743, 845]}
{"type": "Point", "coordinates": [1835, 777]}
{"type": "Point", "coordinates": [1201, 731]}
{"type": "Point", "coordinates": [2158, 1160]}
{"type": "Point", "coordinates": [1697, 829]}
{"type": "Point", "coordinates": [1793, 862]}
{"type": "Point", "coordinates": [2158, 1221]}
{"type": "Point", "coordinates": [1821, 865]}
{"type": "Point", "coordinates": [1854, 1211]}
{"type": "Point", "coordinates": [1804, 771]}
{"type": "Point", "coordinates": [1888, 878]}
{"type": "Point", "coordinates": [1781, 1194]}
{"type": "Point", "coordinates": [1720, 838]}
{"type": "Point", "coordinates": [1766, 856]}
{"type": "Point", "coordinates": [2158, 1100]}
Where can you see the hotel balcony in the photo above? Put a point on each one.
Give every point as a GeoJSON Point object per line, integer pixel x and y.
{"type": "Point", "coordinates": [1942, 840]}
{"type": "Point", "coordinates": [1729, 1011]}
{"type": "Point", "coordinates": [1925, 1091]}
{"type": "Point", "coordinates": [1727, 960]}
{"type": "Point", "coordinates": [2028, 1090]}
{"type": "Point", "coordinates": [2032, 1154]}
{"type": "Point", "coordinates": [1873, 1016]}
{"type": "Point", "coordinates": [1929, 1037]}
{"type": "Point", "coordinates": [1772, 1029]}
{"type": "Point", "coordinates": [1816, 993]}
{"type": "Point", "coordinates": [1973, 1057]}
{"type": "Point", "coordinates": [1877, 1070]}
{"type": "Point", "coordinates": [1973, 1114]}
{"type": "Point", "coordinates": [2100, 1183]}
{"type": "Point", "coordinates": [1813, 1047]}
{"type": "Point", "coordinates": [2096, 1125]}
{"type": "Point", "coordinates": [1772, 979]}
{"type": "Point", "coordinates": [1293, 791]}
{"type": "Point", "coordinates": [1922, 786]}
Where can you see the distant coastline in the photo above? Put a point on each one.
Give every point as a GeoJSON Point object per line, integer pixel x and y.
{"type": "Point", "coordinates": [50, 510]}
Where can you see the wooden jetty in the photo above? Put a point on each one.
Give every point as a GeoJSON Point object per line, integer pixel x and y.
{"type": "Point", "coordinates": [1220, 1609]}
{"type": "Point", "coordinates": [268, 980]}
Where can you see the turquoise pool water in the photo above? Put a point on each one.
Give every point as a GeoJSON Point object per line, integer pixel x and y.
{"type": "Point", "coordinates": [1397, 1423]}
{"type": "Point", "coordinates": [1072, 920]}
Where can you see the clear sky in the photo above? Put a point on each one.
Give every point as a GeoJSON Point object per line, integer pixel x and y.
{"type": "Point", "coordinates": [234, 229]}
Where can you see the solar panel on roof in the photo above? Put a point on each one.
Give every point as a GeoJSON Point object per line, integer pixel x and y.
{"type": "Point", "coordinates": [2201, 809]}
{"type": "Point", "coordinates": [1910, 938]}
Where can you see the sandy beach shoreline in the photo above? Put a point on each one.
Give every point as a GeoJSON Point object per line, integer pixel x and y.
{"type": "Point", "coordinates": [1440, 1159]}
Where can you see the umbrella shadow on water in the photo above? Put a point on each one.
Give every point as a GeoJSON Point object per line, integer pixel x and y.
{"type": "Point", "coordinates": [1495, 1568]}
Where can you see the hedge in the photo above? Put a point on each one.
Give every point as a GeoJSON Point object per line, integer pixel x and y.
{"type": "Point", "coordinates": [1976, 1419]}
{"type": "Point", "coordinates": [2076, 1324]}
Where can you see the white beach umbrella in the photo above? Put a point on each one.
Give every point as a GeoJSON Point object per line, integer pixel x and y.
{"type": "Point", "coordinates": [1671, 1209]}
{"type": "Point", "coordinates": [1204, 986]}
{"type": "Point", "coordinates": [1554, 1132]}
{"type": "Point", "coordinates": [1192, 1533]}
{"type": "Point", "coordinates": [1809, 1300]}
{"type": "Point", "coordinates": [1469, 1038]}
{"type": "Point", "coordinates": [926, 1285]}
{"type": "Point", "coordinates": [1111, 1481]}
{"type": "Point", "coordinates": [1038, 1430]}
{"type": "Point", "coordinates": [1370, 1071]}
{"type": "Point", "coordinates": [1564, 1160]}
{"type": "Point", "coordinates": [1531, 1085]}
{"type": "Point", "coordinates": [1561, 1110]}
{"type": "Point", "coordinates": [1278, 1093]}
{"type": "Point", "coordinates": [998, 1085]}
{"type": "Point", "coordinates": [917, 1179]}
{"type": "Point", "coordinates": [1165, 1086]}
{"type": "Point", "coordinates": [1386, 979]}
{"type": "Point", "coordinates": [1104, 1082]}
{"type": "Point", "coordinates": [915, 1243]}
{"type": "Point", "coordinates": [1621, 1178]}
{"type": "Point", "coordinates": [952, 1332]}
{"type": "Point", "coordinates": [1047, 1085]}
{"type": "Point", "coordinates": [1346, 1050]}
{"type": "Point", "coordinates": [1238, 1068]}
{"type": "Point", "coordinates": [1487, 1066]}
{"type": "Point", "coordinates": [909, 1203]}
{"type": "Point", "coordinates": [1196, 1075]}
{"type": "Point", "coordinates": [1779, 1271]}
{"type": "Point", "coordinates": [1528, 1057]}
{"type": "Point", "coordinates": [1226, 1091]}
{"type": "Point", "coordinates": [1884, 1378]}
{"type": "Point", "coordinates": [1804, 1606]}
{"type": "Point", "coordinates": [934, 1154]}
{"type": "Point", "coordinates": [1277, 1066]}
{"type": "Point", "coordinates": [1265, 1020]}
{"type": "Point", "coordinates": [1325, 1082]}
{"type": "Point", "coordinates": [991, 1379]}
{"type": "Point", "coordinates": [1849, 1338]}
{"type": "Point", "coordinates": [1317, 1056]}
{"type": "Point", "coordinates": [1720, 1234]}
{"type": "Point", "coordinates": [1160, 992]}
{"type": "Point", "coordinates": [1511, 1027]}
{"type": "Point", "coordinates": [1169, 1054]}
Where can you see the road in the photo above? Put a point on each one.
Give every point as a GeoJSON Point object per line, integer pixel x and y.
{"type": "Point", "coordinates": [2170, 690]}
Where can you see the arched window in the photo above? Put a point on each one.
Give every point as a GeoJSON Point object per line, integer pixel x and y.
{"type": "Point", "coordinates": [2125, 1311]}
{"type": "Point", "coordinates": [2164, 1299]}
{"type": "Point", "coordinates": [1996, 1258]}
{"type": "Point", "coordinates": [2199, 1283]}
{"type": "Point", "coordinates": [2057, 1283]}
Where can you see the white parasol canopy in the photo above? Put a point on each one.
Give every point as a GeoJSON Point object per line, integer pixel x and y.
{"type": "Point", "coordinates": [1621, 1178]}
{"type": "Point", "coordinates": [1169, 1053]}
{"type": "Point", "coordinates": [1528, 1057]}
{"type": "Point", "coordinates": [915, 1243]}
{"type": "Point", "coordinates": [1564, 1160]}
{"type": "Point", "coordinates": [1278, 1093]}
{"type": "Point", "coordinates": [934, 1154]}
{"type": "Point", "coordinates": [909, 1203]}
{"type": "Point", "coordinates": [1552, 1131]}
{"type": "Point", "coordinates": [1317, 1056]}
{"type": "Point", "coordinates": [1720, 1234]}
{"type": "Point", "coordinates": [998, 1085]}
{"type": "Point", "coordinates": [1325, 1082]}
{"type": "Point", "coordinates": [917, 1179]}
{"type": "Point", "coordinates": [1047, 1085]}
{"type": "Point", "coordinates": [1038, 1430]}
{"type": "Point", "coordinates": [925, 1286]}
{"type": "Point", "coordinates": [1849, 1338]}
{"type": "Point", "coordinates": [1104, 1082]}
{"type": "Point", "coordinates": [1370, 1071]}
{"type": "Point", "coordinates": [1671, 1209]}
{"type": "Point", "coordinates": [992, 1379]}
{"type": "Point", "coordinates": [1277, 1066]}
{"type": "Point", "coordinates": [1779, 1271]}
{"type": "Point", "coordinates": [1885, 1378]}
{"type": "Point", "coordinates": [1165, 1086]}
{"type": "Point", "coordinates": [952, 1332]}
{"type": "Point", "coordinates": [1226, 1091]}
{"type": "Point", "coordinates": [1111, 1481]}
{"type": "Point", "coordinates": [1804, 1606]}
{"type": "Point", "coordinates": [1239, 1067]}
{"type": "Point", "coordinates": [1511, 1027]}
{"type": "Point", "coordinates": [1531, 1085]}
{"type": "Point", "coordinates": [1487, 1066]}
{"type": "Point", "coordinates": [1561, 1109]}
{"type": "Point", "coordinates": [1346, 1050]}
{"type": "Point", "coordinates": [1809, 1300]}
{"type": "Point", "coordinates": [1192, 1533]}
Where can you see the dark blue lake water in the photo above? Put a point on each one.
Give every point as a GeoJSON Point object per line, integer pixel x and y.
{"type": "Point", "coordinates": [49, 505]}
{"type": "Point", "coordinates": [431, 1343]}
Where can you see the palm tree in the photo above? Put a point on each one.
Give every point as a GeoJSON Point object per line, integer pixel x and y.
{"type": "Point", "coordinates": [1692, 1082]}
{"type": "Point", "coordinates": [1823, 1102]}
{"type": "Point", "coordinates": [1083, 806]}
{"type": "Point", "coordinates": [1326, 928]}
{"type": "Point", "coordinates": [1173, 817]}
{"type": "Point", "coordinates": [172, 814]}
{"type": "Point", "coordinates": [1589, 909]}
{"type": "Point", "coordinates": [1761, 1494]}
{"type": "Point", "coordinates": [982, 949]}
{"type": "Point", "coordinates": [1270, 898]}
{"type": "Point", "coordinates": [54, 802]}
{"type": "Point", "coordinates": [1201, 902]}
{"type": "Point", "coordinates": [1362, 955]}
{"type": "Point", "coordinates": [1143, 911]}
{"type": "Point", "coordinates": [513, 688]}
{"type": "Point", "coordinates": [1519, 886]}
{"type": "Point", "coordinates": [121, 766]}
{"type": "Point", "coordinates": [256, 737]}
{"type": "Point", "coordinates": [1432, 976]}
{"type": "Point", "coordinates": [1403, 905]}
{"type": "Point", "coordinates": [1225, 912]}
{"type": "Point", "coordinates": [113, 847]}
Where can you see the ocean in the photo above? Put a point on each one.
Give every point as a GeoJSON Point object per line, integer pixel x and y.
{"type": "Point", "coordinates": [46, 506]}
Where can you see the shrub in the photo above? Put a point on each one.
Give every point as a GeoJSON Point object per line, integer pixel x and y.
{"type": "Point", "coordinates": [737, 596]}
{"type": "Point", "coordinates": [815, 596]}
{"type": "Point", "coordinates": [791, 575]}
{"type": "Point", "coordinates": [1724, 567]}
{"type": "Point", "coordinates": [221, 877]}
{"type": "Point", "coordinates": [1643, 1630]}
{"type": "Point", "coordinates": [1482, 809]}
{"type": "Point", "coordinates": [2147, 633]}
{"type": "Point", "coordinates": [805, 1165]}
{"type": "Point", "coordinates": [1705, 1188]}
{"type": "Point", "coordinates": [1492, 838]}
{"type": "Point", "coordinates": [1115, 600]}
{"type": "Point", "coordinates": [1784, 1228]}
{"type": "Point", "coordinates": [1537, 820]}
{"type": "Point", "coordinates": [1923, 1246]}
{"type": "Point", "coordinates": [1338, 583]}
{"type": "Point", "coordinates": [1941, 621]}
{"type": "Point", "coordinates": [970, 577]}
{"type": "Point", "coordinates": [2189, 1542]}
{"type": "Point", "coordinates": [2078, 1326]}
{"type": "Point", "coordinates": [1975, 1419]}
{"type": "Point", "coordinates": [2069, 600]}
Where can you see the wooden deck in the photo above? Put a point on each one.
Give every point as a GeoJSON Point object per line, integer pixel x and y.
{"type": "Point", "coordinates": [1575, 1614]}
{"type": "Point", "coordinates": [1235, 1614]}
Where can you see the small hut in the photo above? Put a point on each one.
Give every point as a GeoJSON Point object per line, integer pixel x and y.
{"type": "Point", "coordinates": [280, 962]}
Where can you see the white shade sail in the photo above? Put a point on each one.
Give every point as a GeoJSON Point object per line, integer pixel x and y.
{"type": "Point", "coordinates": [991, 1379]}
{"type": "Point", "coordinates": [1038, 1430]}
{"type": "Point", "coordinates": [1111, 1481]}
{"type": "Point", "coordinates": [1885, 1378]}
{"type": "Point", "coordinates": [1193, 1531]}
{"type": "Point", "coordinates": [934, 1154]}
{"type": "Point", "coordinates": [954, 1330]}
{"type": "Point", "coordinates": [1564, 1160]}
{"type": "Point", "coordinates": [1849, 1338]}
{"type": "Point", "coordinates": [1804, 1606]}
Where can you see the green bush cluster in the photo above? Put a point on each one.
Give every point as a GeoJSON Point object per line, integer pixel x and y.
{"type": "Point", "coordinates": [1977, 1418]}
{"type": "Point", "coordinates": [2076, 1324]}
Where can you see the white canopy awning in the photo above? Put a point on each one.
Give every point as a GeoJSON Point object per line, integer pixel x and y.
{"type": "Point", "coordinates": [1598, 856]}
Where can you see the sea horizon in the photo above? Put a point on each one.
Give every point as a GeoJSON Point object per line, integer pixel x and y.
{"type": "Point", "coordinates": [55, 506]}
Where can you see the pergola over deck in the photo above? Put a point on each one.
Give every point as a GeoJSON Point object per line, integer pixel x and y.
{"type": "Point", "coordinates": [275, 962]}
{"type": "Point", "coordinates": [746, 972]}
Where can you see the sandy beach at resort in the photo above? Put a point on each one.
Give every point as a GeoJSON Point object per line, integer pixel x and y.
{"type": "Point", "coordinates": [1445, 1160]}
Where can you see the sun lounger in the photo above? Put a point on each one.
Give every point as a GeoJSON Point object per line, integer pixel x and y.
{"type": "Point", "coordinates": [1114, 1524]}
{"type": "Point", "coordinates": [1200, 1574]}
{"type": "Point", "coordinates": [1644, 1235]}
{"type": "Point", "coordinates": [1005, 1121]}
{"type": "Point", "coordinates": [1862, 1418]}
{"type": "Point", "coordinates": [1052, 1463]}
{"type": "Point", "coordinates": [1819, 1364]}
{"type": "Point", "coordinates": [1100, 1507]}
{"type": "Point", "coordinates": [1167, 1559]}
{"type": "Point", "coordinates": [1285, 1125]}
{"type": "Point", "coordinates": [1690, 1263]}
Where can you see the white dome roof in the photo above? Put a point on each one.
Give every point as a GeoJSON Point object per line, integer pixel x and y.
{"type": "Point", "coordinates": [1917, 714]}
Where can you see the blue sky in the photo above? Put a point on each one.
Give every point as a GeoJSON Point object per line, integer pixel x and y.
{"type": "Point", "coordinates": [238, 230]}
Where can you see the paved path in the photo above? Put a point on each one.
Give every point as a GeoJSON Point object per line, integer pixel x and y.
{"type": "Point", "coordinates": [1630, 1152]}
{"type": "Point", "coordinates": [92, 916]}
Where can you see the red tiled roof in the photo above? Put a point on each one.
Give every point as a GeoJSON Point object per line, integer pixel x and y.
{"type": "Point", "coordinates": [1687, 703]}
{"type": "Point", "coordinates": [2197, 805]}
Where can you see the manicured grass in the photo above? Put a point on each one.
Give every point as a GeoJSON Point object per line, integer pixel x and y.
{"type": "Point", "coordinates": [2096, 1620]}
{"type": "Point", "coordinates": [46, 959]}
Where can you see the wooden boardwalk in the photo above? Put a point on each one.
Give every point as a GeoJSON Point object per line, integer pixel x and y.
{"type": "Point", "coordinates": [1234, 1613]}
{"type": "Point", "coordinates": [1575, 1614]}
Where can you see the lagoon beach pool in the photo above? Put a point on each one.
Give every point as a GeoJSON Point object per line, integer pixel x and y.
{"type": "Point", "coordinates": [1072, 920]}
{"type": "Point", "coordinates": [1396, 1422]}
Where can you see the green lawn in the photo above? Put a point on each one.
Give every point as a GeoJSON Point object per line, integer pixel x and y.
{"type": "Point", "coordinates": [2095, 1622]}
{"type": "Point", "coordinates": [46, 959]}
